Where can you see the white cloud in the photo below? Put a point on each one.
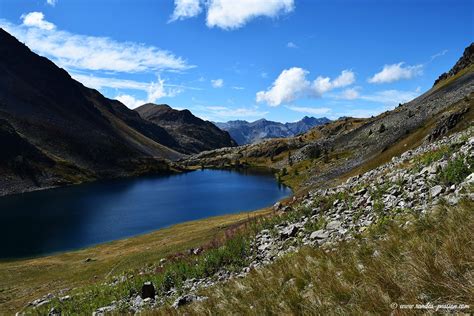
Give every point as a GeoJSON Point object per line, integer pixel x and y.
{"type": "Point", "coordinates": [291, 45]}
{"type": "Point", "coordinates": [224, 113]}
{"type": "Point", "coordinates": [155, 90]}
{"type": "Point", "coordinates": [391, 97]}
{"type": "Point", "coordinates": [217, 83]}
{"type": "Point", "coordinates": [74, 51]}
{"type": "Point", "coordinates": [238, 88]}
{"type": "Point", "coordinates": [184, 9]}
{"type": "Point", "coordinates": [232, 14]}
{"type": "Point", "coordinates": [51, 2]}
{"type": "Point", "coordinates": [130, 101]}
{"type": "Point", "coordinates": [292, 84]}
{"type": "Point", "coordinates": [108, 82]}
{"type": "Point", "coordinates": [350, 94]}
{"type": "Point", "coordinates": [36, 19]}
{"type": "Point", "coordinates": [395, 72]}
{"type": "Point", "coordinates": [309, 110]}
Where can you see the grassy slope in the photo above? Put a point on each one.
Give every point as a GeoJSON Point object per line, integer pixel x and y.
{"type": "Point", "coordinates": [430, 260]}
{"type": "Point", "coordinates": [22, 281]}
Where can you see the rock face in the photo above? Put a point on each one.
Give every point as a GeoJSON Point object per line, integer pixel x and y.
{"type": "Point", "coordinates": [252, 132]}
{"type": "Point", "coordinates": [62, 132]}
{"type": "Point", "coordinates": [466, 60]}
{"type": "Point", "coordinates": [192, 134]}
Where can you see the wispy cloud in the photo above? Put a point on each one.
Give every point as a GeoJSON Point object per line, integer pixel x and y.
{"type": "Point", "coordinates": [51, 2]}
{"type": "Point", "coordinates": [292, 84]}
{"type": "Point", "coordinates": [82, 52]}
{"type": "Point", "coordinates": [217, 83]}
{"type": "Point", "coordinates": [350, 94]}
{"type": "Point", "coordinates": [309, 110]}
{"type": "Point", "coordinates": [441, 53]}
{"type": "Point", "coordinates": [155, 90]}
{"type": "Point", "coordinates": [238, 88]}
{"type": "Point", "coordinates": [184, 9]}
{"type": "Point", "coordinates": [291, 45]}
{"type": "Point", "coordinates": [395, 72]}
{"type": "Point", "coordinates": [391, 97]}
{"type": "Point", "coordinates": [224, 113]}
{"type": "Point", "coordinates": [109, 82]}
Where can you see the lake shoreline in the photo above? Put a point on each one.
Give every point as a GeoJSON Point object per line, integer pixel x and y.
{"type": "Point", "coordinates": [52, 273]}
{"type": "Point", "coordinates": [93, 213]}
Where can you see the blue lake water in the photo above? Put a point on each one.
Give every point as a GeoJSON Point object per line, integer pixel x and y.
{"type": "Point", "coordinates": [49, 221]}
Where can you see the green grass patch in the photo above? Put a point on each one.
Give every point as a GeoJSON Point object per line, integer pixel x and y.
{"type": "Point", "coordinates": [456, 170]}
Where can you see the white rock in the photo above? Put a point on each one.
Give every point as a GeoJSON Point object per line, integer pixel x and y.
{"type": "Point", "coordinates": [319, 234]}
{"type": "Point", "coordinates": [436, 190]}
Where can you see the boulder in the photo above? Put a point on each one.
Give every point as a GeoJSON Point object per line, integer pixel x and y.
{"type": "Point", "coordinates": [148, 290]}
{"type": "Point", "coordinates": [289, 231]}
{"type": "Point", "coordinates": [333, 225]}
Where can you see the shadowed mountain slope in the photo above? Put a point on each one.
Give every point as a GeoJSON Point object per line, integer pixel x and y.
{"type": "Point", "coordinates": [78, 133]}
{"type": "Point", "coordinates": [191, 133]}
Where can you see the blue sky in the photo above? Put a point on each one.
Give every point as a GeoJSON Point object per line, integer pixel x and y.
{"type": "Point", "coordinates": [248, 59]}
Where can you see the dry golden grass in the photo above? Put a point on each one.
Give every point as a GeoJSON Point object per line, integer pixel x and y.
{"type": "Point", "coordinates": [429, 261]}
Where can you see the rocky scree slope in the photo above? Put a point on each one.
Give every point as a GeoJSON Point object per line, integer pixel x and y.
{"type": "Point", "coordinates": [253, 132]}
{"type": "Point", "coordinates": [191, 133]}
{"type": "Point", "coordinates": [57, 131]}
{"type": "Point", "coordinates": [413, 183]}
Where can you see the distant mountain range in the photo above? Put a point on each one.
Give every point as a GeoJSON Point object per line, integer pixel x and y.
{"type": "Point", "coordinates": [244, 132]}
{"type": "Point", "coordinates": [55, 131]}
{"type": "Point", "coordinates": [192, 134]}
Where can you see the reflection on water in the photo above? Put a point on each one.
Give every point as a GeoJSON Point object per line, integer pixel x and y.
{"type": "Point", "coordinates": [73, 217]}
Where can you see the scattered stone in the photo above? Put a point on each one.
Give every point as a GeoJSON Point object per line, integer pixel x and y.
{"type": "Point", "coordinates": [186, 299]}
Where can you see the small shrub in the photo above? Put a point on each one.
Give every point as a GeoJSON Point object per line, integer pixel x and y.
{"type": "Point", "coordinates": [456, 171]}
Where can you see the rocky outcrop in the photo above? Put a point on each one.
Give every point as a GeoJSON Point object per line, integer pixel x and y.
{"type": "Point", "coordinates": [466, 60]}
{"type": "Point", "coordinates": [447, 123]}
{"type": "Point", "coordinates": [253, 132]}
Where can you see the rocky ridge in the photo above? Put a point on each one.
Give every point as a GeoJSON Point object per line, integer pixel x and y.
{"type": "Point", "coordinates": [408, 184]}
{"type": "Point", "coordinates": [253, 132]}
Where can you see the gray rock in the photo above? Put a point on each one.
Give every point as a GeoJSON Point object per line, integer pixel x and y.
{"type": "Point", "coordinates": [319, 234]}
{"type": "Point", "coordinates": [289, 231]}
{"type": "Point", "coordinates": [186, 299]}
{"type": "Point", "coordinates": [436, 190]}
{"type": "Point", "coordinates": [333, 225]}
